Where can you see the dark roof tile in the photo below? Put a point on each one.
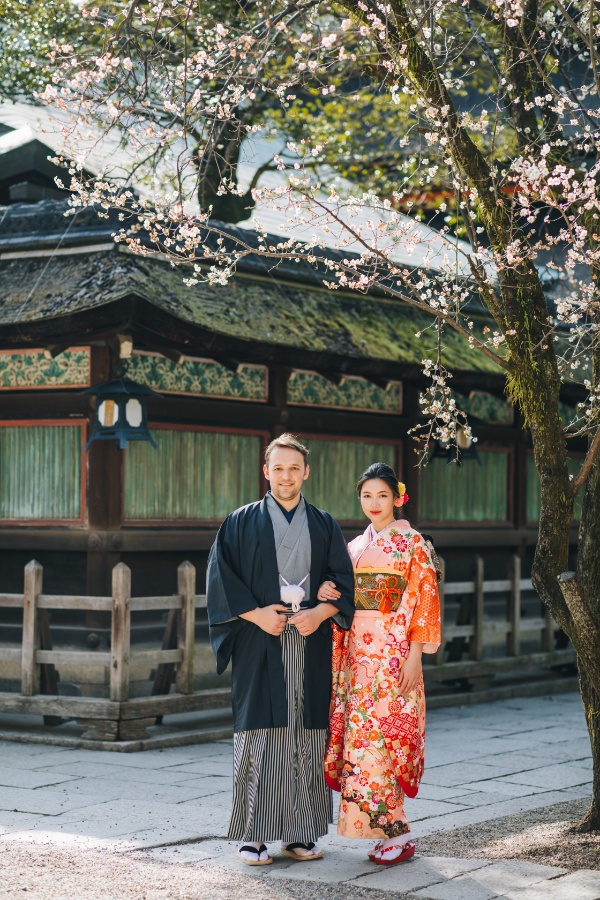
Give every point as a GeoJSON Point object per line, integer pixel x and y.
{"type": "Point", "coordinates": [265, 310]}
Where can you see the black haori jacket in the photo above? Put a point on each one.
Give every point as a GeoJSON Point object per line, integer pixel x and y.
{"type": "Point", "coordinates": [243, 574]}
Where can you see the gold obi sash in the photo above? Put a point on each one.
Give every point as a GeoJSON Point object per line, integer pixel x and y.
{"type": "Point", "coordinates": [378, 590]}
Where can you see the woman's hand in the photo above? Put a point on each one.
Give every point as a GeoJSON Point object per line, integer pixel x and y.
{"type": "Point", "coordinates": [412, 671]}
{"type": "Point", "coordinates": [308, 620]}
{"type": "Point", "coordinates": [328, 591]}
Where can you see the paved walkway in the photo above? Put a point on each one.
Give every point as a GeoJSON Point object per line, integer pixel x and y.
{"type": "Point", "coordinates": [482, 763]}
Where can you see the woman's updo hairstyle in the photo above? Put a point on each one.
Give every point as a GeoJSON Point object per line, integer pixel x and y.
{"type": "Point", "coordinates": [384, 473]}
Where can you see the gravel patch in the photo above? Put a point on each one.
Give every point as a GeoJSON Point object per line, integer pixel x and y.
{"type": "Point", "coordinates": [538, 835]}
{"type": "Point", "coordinates": [46, 871]}
{"type": "Point", "coordinates": [43, 872]}
{"type": "Point", "coordinates": [309, 890]}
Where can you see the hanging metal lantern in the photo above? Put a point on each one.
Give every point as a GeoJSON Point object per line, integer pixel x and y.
{"type": "Point", "coordinates": [441, 450]}
{"type": "Point", "coordinates": [465, 449]}
{"type": "Point", "coordinates": [120, 413]}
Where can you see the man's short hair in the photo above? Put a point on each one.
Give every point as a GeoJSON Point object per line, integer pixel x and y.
{"type": "Point", "coordinates": [289, 442]}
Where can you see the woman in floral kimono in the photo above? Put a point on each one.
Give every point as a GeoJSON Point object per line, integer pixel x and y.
{"type": "Point", "coordinates": [376, 738]}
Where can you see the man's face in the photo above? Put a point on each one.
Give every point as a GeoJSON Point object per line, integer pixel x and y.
{"type": "Point", "coordinates": [286, 471]}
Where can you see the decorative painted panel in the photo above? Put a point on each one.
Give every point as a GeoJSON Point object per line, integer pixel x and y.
{"type": "Point", "coordinates": [197, 377]}
{"type": "Point", "coordinates": [486, 407]}
{"type": "Point", "coordinates": [311, 389]}
{"type": "Point", "coordinates": [23, 369]}
{"type": "Point", "coordinates": [335, 467]}
{"type": "Point", "coordinates": [533, 488]}
{"type": "Point", "coordinates": [194, 475]}
{"type": "Point", "coordinates": [40, 472]}
{"type": "Point", "coordinates": [467, 493]}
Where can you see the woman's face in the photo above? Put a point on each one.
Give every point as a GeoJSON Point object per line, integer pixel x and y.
{"type": "Point", "coordinates": [378, 502]}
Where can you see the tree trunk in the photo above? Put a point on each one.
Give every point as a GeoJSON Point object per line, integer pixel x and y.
{"type": "Point", "coordinates": [217, 163]}
{"type": "Point", "coordinates": [535, 380]}
{"type": "Point", "coordinates": [551, 556]}
{"type": "Point", "coordinates": [230, 208]}
{"type": "Point", "coordinates": [588, 579]}
{"type": "Point", "coordinates": [591, 706]}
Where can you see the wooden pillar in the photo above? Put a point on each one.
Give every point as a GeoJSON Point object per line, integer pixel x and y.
{"type": "Point", "coordinates": [439, 656]}
{"type": "Point", "coordinates": [120, 632]}
{"type": "Point", "coordinates": [476, 642]}
{"type": "Point", "coordinates": [186, 586]}
{"type": "Point", "coordinates": [30, 670]}
{"type": "Point", "coordinates": [410, 469]}
{"type": "Point", "coordinates": [105, 492]}
{"type": "Point", "coordinates": [278, 379]}
{"type": "Point", "coordinates": [519, 481]}
{"type": "Point", "coordinates": [514, 636]}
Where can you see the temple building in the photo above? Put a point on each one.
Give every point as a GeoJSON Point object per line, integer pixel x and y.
{"type": "Point", "coordinates": [233, 366]}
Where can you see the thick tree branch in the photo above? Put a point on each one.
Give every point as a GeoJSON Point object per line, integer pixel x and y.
{"type": "Point", "coordinates": [518, 65]}
{"type": "Point", "coordinates": [585, 635]}
{"type": "Point", "coordinates": [590, 459]}
{"type": "Point", "coordinates": [484, 46]}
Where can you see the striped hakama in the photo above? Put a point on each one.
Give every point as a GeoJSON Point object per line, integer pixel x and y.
{"type": "Point", "coordinates": [279, 791]}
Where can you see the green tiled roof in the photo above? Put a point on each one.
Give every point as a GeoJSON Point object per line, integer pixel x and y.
{"type": "Point", "coordinates": [257, 310]}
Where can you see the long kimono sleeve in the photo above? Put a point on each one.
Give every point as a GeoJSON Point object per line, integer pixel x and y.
{"type": "Point", "coordinates": [227, 597]}
{"type": "Point", "coordinates": [423, 597]}
{"type": "Point", "coordinates": [339, 569]}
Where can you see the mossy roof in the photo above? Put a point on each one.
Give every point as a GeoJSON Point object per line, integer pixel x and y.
{"type": "Point", "coordinates": [264, 310]}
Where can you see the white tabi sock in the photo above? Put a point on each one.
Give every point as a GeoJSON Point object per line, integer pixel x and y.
{"type": "Point", "coordinates": [245, 854]}
{"type": "Point", "coordinates": [300, 850]}
{"type": "Point", "coordinates": [398, 844]}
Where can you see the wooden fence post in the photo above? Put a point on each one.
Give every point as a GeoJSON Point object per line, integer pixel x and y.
{"type": "Point", "coordinates": [476, 642]}
{"type": "Point", "coordinates": [120, 632]}
{"type": "Point", "coordinates": [186, 586]}
{"type": "Point", "coordinates": [30, 670]}
{"type": "Point", "coordinates": [165, 672]}
{"type": "Point", "coordinates": [439, 656]}
{"type": "Point", "coordinates": [514, 636]}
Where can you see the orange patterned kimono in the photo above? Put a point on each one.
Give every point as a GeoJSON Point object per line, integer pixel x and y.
{"type": "Point", "coordinates": [376, 738]}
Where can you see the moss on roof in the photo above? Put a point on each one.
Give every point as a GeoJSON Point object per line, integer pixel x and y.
{"type": "Point", "coordinates": [268, 311]}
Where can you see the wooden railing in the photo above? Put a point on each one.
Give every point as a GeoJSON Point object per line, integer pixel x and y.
{"type": "Point", "coordinates": [476, 632]}
{"type": "Point", "coordinates": [462, 655]}
{"type": "Point", "coordinates": [118, 717]}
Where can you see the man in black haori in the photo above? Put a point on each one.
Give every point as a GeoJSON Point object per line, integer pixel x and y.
{"type": "Point", "coordinates": [264, 571]}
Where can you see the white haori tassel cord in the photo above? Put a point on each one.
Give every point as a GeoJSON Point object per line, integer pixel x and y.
{"type": "Point", "coordinates": [292, 594]}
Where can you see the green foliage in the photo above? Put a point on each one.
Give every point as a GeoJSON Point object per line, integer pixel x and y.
{"type": "Point", "coordinates": [28, 29]}
{"type": "Point", "coordinates": [345, 107]}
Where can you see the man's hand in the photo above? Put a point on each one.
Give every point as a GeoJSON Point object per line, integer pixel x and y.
{"type": "Point", "coordinates": [412, 671]}
{"type": "Point", "coordinates": [268, 618]}
{"type": "Point", "coordinates": [308, 620]}
{"type": "Point", "coordinates": [328, 591]}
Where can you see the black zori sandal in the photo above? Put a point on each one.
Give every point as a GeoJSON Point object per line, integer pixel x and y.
{"type": "Point", "coordinates": [248, 848]}
{"type": "Point", "coordinates": [290, 850]}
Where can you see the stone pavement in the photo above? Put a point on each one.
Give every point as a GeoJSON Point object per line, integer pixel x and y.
{"type": "Point", "coordinates": [482, 763]}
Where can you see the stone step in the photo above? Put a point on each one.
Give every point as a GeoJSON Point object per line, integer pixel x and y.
{"type": "Point", "coordinates": [176, 731]}
{"type": "Point", "coordinates": [214, 725]}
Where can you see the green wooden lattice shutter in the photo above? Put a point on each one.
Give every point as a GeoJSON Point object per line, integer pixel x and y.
{"type": "Point", "coordinates": [195, 475]}
{"type": "Point", "coordinates": [467, 493]}
{"type": "Point", "coordinates": [335, 467]}
{"type": "Point", "coordinates": [40, 472]}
